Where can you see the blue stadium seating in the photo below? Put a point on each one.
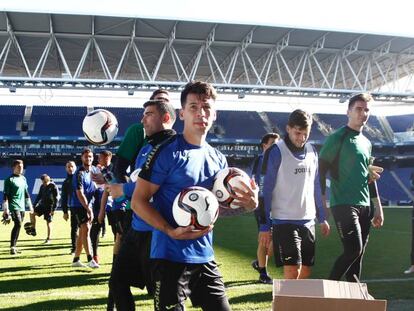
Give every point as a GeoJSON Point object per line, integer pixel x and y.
{"type": "Point", "coordinates": [57, 121]}
{"type": "Point", "coordinates": [9, 116]}
{"type": "Point", "coordinates": [241, 124]}
{"type": "Point", "coordinates": [401, 123]}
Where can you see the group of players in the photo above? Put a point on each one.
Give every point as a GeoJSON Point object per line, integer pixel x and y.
{"type": "Point", "coordinates": [178, 262]}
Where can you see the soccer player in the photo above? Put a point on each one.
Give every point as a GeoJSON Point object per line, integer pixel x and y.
{"type": "Point", "coordinates": [411, 268]}
{"type": "Point", "coordinates": [104, 164]}
{"type": "Point", "coordinates": [15, 199]}
{"type": "Point", "coordinates": [133, 141]}
{"type": "Point", "coordinates": [66, 194]}
{"type": "Point", "coordinates": [82, 198]}
{"type": "Point", "coordinates": [291, 167]}
{"type": "Point", "coordinates": [184, 263]}
{"type": "Point", "coordinates": [44, 204]}
{"type": "Point", "coordinates": [346, 154]}
{"type": "Point", "coordinates": [132, 265]}
{"type": "Point", "coordinates": [260, 263]}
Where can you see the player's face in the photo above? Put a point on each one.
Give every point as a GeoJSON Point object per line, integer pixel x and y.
{"type": "Point", "coordinates": [104, 160]}
{"type": "Point", "coordinates": [163, 97]}
{"type": "Point", "coordinates": [70, 168]}
{"type": "Point", "coordinates": [152, 120]}
{"type": "Point", "coordinates": [297, 135]}
{"type": "Point", "coordinates": [358, 114]}
{"type": "Point", "coordinates": [198, 113]}
{"type": "Point", "coordinates": [18, 169]}
{"type": "Point", "coordinates": [87, 159]}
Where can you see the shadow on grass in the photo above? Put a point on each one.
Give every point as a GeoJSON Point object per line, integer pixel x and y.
{"type": "Point", "coordinates": [241, 283]}
{"type": "Point", "coordinates": [63, 304]}
{"type": "Point", "coordinates": [251, 298]}
{"type": "Point", "coordinates": [54, 282]}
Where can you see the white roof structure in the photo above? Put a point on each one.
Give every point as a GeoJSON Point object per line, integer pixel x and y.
{"type": "Point", "coordinates": [39, 50]}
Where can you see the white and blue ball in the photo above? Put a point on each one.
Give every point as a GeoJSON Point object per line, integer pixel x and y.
{"type": "Point", "coordinates": [100, 127]}
{"type": "Point", "coordinates": [195, 206]}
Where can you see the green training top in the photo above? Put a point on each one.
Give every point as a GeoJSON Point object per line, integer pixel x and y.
{"type": "Point", "coordinates": [351, 187]}
{"type": "Point", "coordinates": [132, 143]}
{"type": "Point", "coordinates": [15, 188]}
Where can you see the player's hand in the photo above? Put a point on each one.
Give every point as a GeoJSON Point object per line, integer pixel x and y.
{"type": "Point", "coordinates": [101, 217]}
{"type": "Point", "coordinates": [374, 172]}
{"type": "Point", "coordinates": [115, 190]}
{"type": "Point", "coordinates": [378, 220]}
{"type": "Point", "coordinates": [188, 233]}
{"type": "Point", "coordinates": [265, 238]}
{"type": "Point", "coordinates": [65, 216]}
{"type": "Point", "coordinates": [325, 228]}
{"type": "Point", "coordinates": [90, 215]}
{"type": "Point", "coordinates": [247, 196]}
{"type": "Point", "coordinates": [98, 178]}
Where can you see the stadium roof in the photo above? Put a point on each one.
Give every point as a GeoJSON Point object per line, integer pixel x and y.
{"type": "Point", "coordinates": [74, 51]}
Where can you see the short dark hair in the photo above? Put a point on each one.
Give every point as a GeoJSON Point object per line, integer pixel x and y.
{"type": "Point", "coordinates": [106, 153]}
{"type": "Point", "coordinates": [365, 97]}
{"type": "Point", "coordinates": [17, 162]}
{"type": "Point", "coordinates": [301, 119]}
{"type": "Point", "coordinates": [199, 88]}
{"type": "Point", "coordinates": [268, 136]}
{"type": "Point", "coordinates": [159, 91]}
{"type": "Point", "coordinates": [86, 150]}
{"type": "Point", "coordinates": [162, 107]}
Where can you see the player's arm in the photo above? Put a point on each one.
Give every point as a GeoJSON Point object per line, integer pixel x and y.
{"type": "Point", "coordinates": [28, 201]}
{"type": "Point", "coordinates": [64, 200]}
{"type": "Point", "coordinates": [140, 204]}
{"type": "Point", "coordinates": [81, 195]}
{"type": "Point", "coordinates": [38, 196]}
{"type": "Point", "coordinates": [321, 209]}
{"type": "Point", "coordinates": [6, 211]}
{"type": "Point", "coordinates": [102, 207]}
{"type": "Point", "coordinates": [378, 219]}
{"type": "Point", "coordinates": [270, 168]}
{"type": "Point", "coordinates": [55, 195]}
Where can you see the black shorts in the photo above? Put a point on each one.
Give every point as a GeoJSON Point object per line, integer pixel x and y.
{"type": "Point", "coordinates": [111, 218]}
{"type": "Point", "coordinates": [17, 216]}
{"type": "Point", "coordinates": [133, 265]}
{"type": "Point", "coordinates": [46, 212]}
{"type": "Point", "coordinates": [259, 214]}
{"type": "Point", "coordinates": [175, 281]}
{"type": "Point", "coordinates": [118, 217]}
{"type": "Point", "coordinates": [80, 214]}
{"type": "Point", "coordinates": [294, 245]}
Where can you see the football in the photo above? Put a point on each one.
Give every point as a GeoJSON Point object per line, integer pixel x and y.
{"type": "Point", "coordinates": [224, 182]}
{"type": "Point", "coordinates": [100, 127]}
{"type": "Point", "coordinates": [195, 206]}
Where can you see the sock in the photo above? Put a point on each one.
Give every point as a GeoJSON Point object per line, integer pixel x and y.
{"type": "Point", "coordinates": [89, 257]}
{"type": "Point", "coordinates": [75, 259]}
{"type": "Point", "coordinates": [263, 270]}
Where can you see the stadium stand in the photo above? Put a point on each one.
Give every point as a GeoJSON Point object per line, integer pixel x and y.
{"type": "Point", "coordinates": [57, 121]}
{"type": "Point", "coordinates": [401, 123]}
{"type": "Point", "coordinates": [9, 117]}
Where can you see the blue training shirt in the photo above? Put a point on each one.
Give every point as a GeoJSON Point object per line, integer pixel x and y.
{"type": "Point", "coordinates": [273, 161]}
{"type": "Point", "coordinates": [154, 142]}
{"type": "Point", "coordinates": [175, 166]}
{"type": "Point", "coordinates": [82, 180]}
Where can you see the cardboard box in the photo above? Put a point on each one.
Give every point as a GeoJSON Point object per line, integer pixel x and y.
{"type": "Point", "coordinates": [323, 295]}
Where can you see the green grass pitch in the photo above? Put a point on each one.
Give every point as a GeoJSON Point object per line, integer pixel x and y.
{"type": "Point", "coordinates": [41, 278]}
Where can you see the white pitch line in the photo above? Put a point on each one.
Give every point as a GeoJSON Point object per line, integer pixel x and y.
{"type": "Point", "coordinates": [407, 279]}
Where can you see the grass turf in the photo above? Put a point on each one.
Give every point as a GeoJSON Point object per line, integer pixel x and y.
{"type": "Point", "coordinates": [41, 278]}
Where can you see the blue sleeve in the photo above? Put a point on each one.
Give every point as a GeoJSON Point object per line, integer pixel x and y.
{"type": "Point", "coordinates": [320, 212]}
{"type": "Point", "coordinates": [271, 164]}
{"type": "Point", "coordinates": [129, 189]}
